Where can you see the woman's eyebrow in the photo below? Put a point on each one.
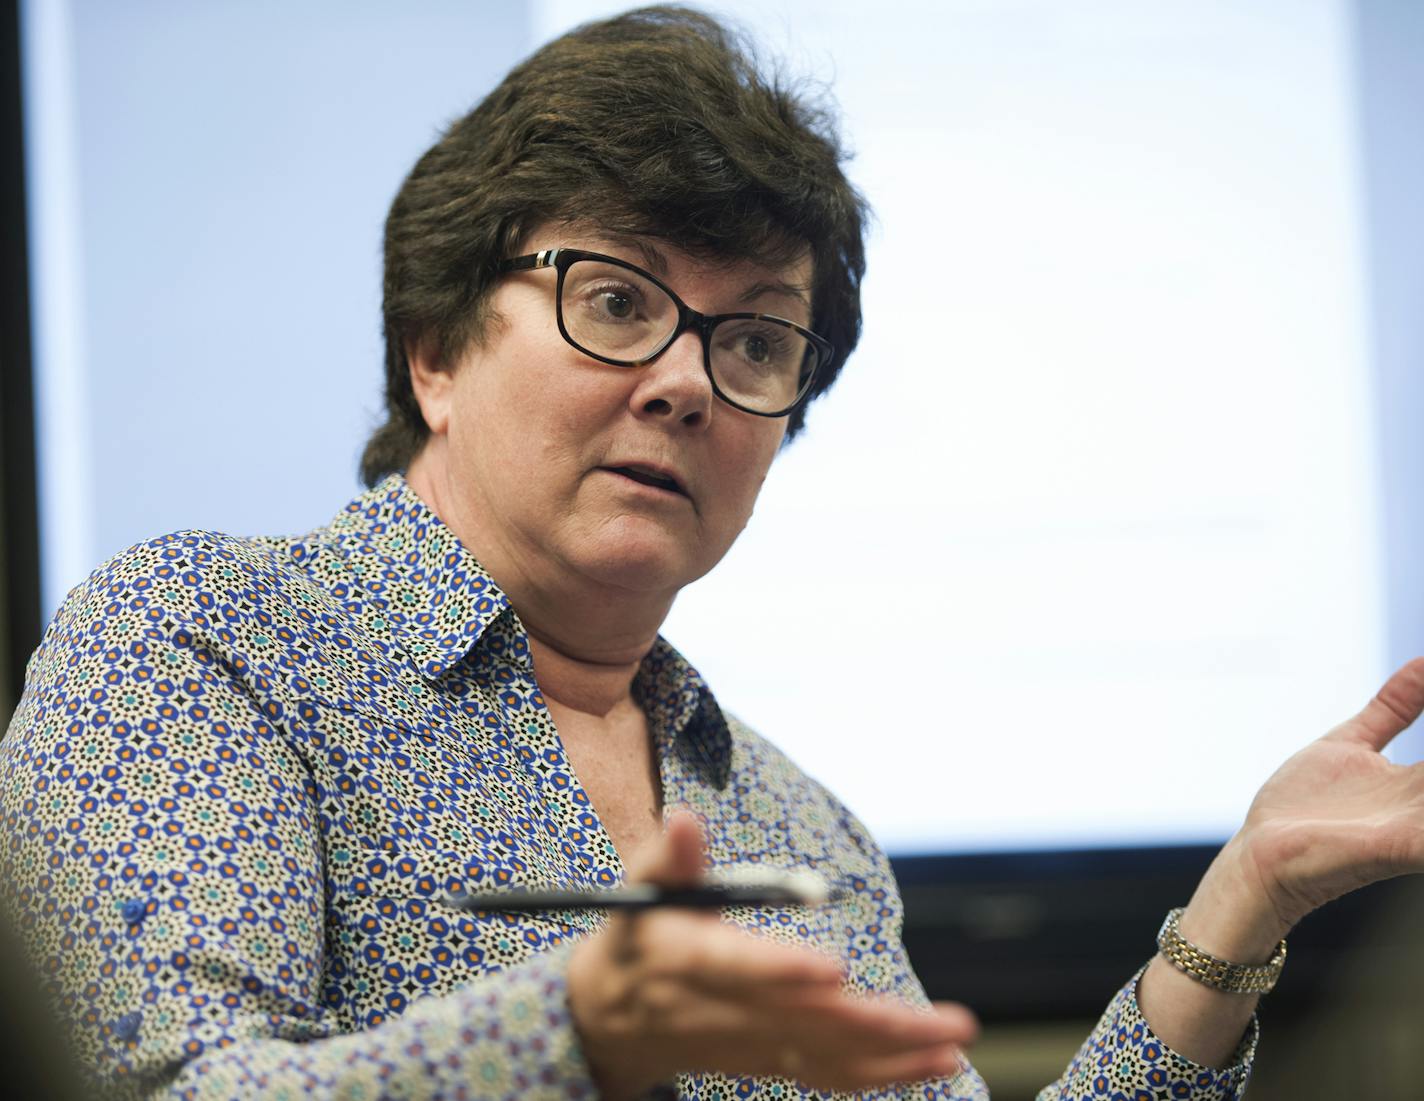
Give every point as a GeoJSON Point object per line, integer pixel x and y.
{"type": "Point", "coordinates": [652, 259]}
{"type": "Point", "coordinates": [656, 262]}
{"type": "Point", "coordinates": [778, 287]}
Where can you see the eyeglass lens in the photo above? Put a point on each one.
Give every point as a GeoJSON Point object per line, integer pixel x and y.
{"type": "Point", "coordinates": [613, 312]}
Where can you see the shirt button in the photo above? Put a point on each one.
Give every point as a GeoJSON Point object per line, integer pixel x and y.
{"type": "Point", "coordinates": [126, 1027]}
{"type": "Point", "coordinates": [134, 910]}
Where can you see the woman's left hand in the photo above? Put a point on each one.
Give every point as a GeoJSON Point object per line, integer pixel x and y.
{"type": "Point", "coordinates": [1336, 816]}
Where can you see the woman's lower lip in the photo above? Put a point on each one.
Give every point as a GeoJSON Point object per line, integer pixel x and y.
{"type": "Point", "coordinates": [627, 480]}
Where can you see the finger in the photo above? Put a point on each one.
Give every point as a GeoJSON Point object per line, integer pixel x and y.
{"type": "Point", "coordinates": [882, 1025]}
{"type": "Point", "coordinates": [875, 1010]}
{"type": "Point", "coordinates": [676, 859]}
{"type": "Point", "coordinates": [841, 1028]}
{"type": "Point", "coordinates": [961, 1018]}
{"type": "Point", "coordinates": [836, 1050]}
{"type": "Point", "coordinates": [731, 1041]}
{"type": "Point", "coordinates": [850, 1052]}
{"type": "Point", "coordinates": [877, 1071]}
{"type": "Point", "coordinates": [1392, 710]}
{"type": "Point", "coordinates": [688, 849]}
{"type": "Point", "coordinates": [724, 962]}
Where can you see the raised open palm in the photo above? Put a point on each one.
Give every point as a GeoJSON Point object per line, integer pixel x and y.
{"type": "Point", "coordinates": [1338, 815]}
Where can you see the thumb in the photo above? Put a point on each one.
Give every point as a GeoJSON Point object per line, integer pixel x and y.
{"type": "Point", "coordinates": [1396, 706]}
{"type": "Point", "coordinates": [676, 859]}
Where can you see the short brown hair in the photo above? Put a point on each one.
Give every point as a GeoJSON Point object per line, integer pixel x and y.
{"type": "Point", "coordinates": [656, 123]}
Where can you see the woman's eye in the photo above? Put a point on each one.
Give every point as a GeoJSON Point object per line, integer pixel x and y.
{"type": "Point", "coordinates": [757, 349]}
{"type": "Point", "coordinates": [615, 304]}
{"type": "Point", "coordinates": [763, 349]}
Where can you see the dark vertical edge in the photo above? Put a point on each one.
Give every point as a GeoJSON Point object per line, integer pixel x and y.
{"type": "Point", "coordinates": [1389, 75]}
{"type": "Point", "coordinates": [19, 508]}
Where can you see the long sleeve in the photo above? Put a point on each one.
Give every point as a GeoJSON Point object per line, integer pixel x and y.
{"type": "Point", "coordinates": [164, 860]}
{"type": "Point", "coordinates": [1122, 1057]}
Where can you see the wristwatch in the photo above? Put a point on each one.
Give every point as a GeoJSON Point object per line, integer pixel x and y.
{"type": "Point", "coordinates": [1230, 978]}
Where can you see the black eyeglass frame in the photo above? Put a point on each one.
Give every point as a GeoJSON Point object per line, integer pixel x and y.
{"type": "Point", "coordinates": [687, 318]}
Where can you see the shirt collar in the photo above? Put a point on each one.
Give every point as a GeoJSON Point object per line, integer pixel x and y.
{"type": "Point", "coordinates": [436, 600]}
{"type": "Point", "coordinates": [683, 714]}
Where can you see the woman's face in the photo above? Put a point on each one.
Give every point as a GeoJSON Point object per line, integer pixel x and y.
{"type": "Point", "coordinates": [549, 453]}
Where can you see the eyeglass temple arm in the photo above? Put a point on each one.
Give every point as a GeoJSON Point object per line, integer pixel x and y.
{"type": "Point", "coordinates": [542, 259]}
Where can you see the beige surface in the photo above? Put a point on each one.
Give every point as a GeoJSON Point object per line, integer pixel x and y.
{"type": "Point", "coordinates": [1018, 1060]}
{"type": "Point", "coordinates": [1367, 1045]}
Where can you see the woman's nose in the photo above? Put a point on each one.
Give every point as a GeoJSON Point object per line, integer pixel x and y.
{"type": "Point", "coordinates": [675, 386]}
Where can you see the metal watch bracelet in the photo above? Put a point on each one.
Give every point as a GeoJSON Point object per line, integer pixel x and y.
{"type": "Point", "coordinates": [1229, 978]}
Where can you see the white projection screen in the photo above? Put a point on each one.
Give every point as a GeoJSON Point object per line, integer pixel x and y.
{"type": "Point", "coordinates": [1088, 537]}
{"type": "Point", "coordinates": [1086, 540]}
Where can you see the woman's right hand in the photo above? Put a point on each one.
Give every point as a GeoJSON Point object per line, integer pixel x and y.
{"type": "Point", "coordinates": [669, 991]}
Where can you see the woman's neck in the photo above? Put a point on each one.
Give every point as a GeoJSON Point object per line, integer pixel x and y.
{"type": "Point", "coordinates": [587, 640]}
{"type": "Point", "coordinates": [595, 688]}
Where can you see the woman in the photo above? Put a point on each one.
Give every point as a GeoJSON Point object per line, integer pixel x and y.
{"type": "Point", "coordinates": [247, 774]}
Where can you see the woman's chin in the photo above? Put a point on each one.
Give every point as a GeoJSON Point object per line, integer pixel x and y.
{"type": "Point", "coordinates": [648, 564]}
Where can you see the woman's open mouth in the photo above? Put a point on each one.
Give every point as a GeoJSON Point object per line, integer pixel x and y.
{"type": "Point", "coordinates": [648, 477]}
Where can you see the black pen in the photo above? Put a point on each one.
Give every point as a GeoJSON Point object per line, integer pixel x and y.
{"type": "Point", "coordinates": [773, 891]}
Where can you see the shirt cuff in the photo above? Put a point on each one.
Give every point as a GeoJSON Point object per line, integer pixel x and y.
{"type": "Point", "coordinates": [1123, 1055]}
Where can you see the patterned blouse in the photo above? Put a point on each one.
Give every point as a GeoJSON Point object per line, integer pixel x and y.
{"type": "Point", "coordinates": [246, 774]}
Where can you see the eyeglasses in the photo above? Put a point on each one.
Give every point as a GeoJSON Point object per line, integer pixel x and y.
{"type": "Point", "coordinates": [620, 314]}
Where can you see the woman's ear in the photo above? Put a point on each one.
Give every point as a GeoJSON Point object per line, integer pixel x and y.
{"type": "Point", "coordinates": [432, 380]}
